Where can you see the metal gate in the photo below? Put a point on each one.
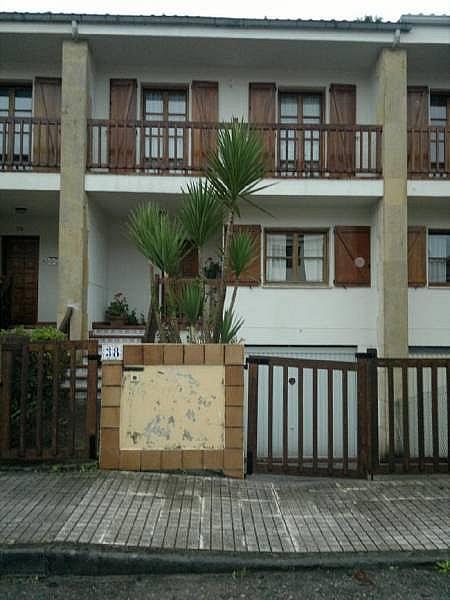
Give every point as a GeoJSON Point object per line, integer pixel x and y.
{"type": "Point", "coordinates": [48, 400]}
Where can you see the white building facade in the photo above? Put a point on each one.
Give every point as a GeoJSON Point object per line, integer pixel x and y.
{"type": "Point", "coordinates": [355, 238]}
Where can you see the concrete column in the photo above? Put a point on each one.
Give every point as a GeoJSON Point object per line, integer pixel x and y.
{"type": "Point", "coordinates": [392, 214]}
{"type": "Point", "coordinates": [73, 233]}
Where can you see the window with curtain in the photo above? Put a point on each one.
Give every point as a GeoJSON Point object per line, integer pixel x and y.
{"type": "Point", "coordinates": [439, 257]}
{"type": "Point", "coordinates": [438, 118]}
{"type": "Point", "coordinates": [299, 149]}
{"type": "Point", "coordinates": [165, 146]}
{"type": "Point", "coordinates": [15, 103]}
{"type": "Point", "coordinates": [296, 257]}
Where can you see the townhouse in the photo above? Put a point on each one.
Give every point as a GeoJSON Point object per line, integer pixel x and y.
{"type": "Point", "coordinates": [101, 113]}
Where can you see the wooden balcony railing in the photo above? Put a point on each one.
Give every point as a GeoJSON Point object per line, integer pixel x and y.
{"type": "Point", "coordinates": [429, 152]}
{"type": "Point", "coordinates": [182, 148]}
{"type": "Point", "coordinates": [29, 143]}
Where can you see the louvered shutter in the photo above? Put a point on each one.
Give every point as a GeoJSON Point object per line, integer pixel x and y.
{"type": "Point", "coordinates": [122, 114]}
{"type": "Point", "coordinates": [189, 263]}
{"type": "Point", "coordinates": [252, 276]}
{"type": "Point", "coordinates": [262, 98]}
{"type": "Point", "coordinates": [341, 144]}
{"type": "Point", "coordinates": [46, 136]}
{"type": "Point", "coordinates": [205, 109]}
{"type": "Point", "coordinates": [352, 256]}
{"type": "Point", "coordinates": [447, 138]}
{"type": "Point", "coordinates": [417, 258]}
{"type": "Point", "coordinates": [418, 136]}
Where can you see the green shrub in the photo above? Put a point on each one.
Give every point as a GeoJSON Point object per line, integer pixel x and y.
{"type": "Point", "coordinates": [38, 334]}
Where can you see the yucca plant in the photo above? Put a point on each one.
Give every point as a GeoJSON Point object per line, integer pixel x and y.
{"type": "Point", "coordinates": [190, 302]}
{"type": "Point", "coordinates": [235, 171]}
{"type": "Point", "coordinates": [241, 255]}
{"type": "Point", "coordinates": [201, 214]}
{"type": "Point", "coordinates": [160, 238]}
{"type": "Point", "coordinates": [229, 327]}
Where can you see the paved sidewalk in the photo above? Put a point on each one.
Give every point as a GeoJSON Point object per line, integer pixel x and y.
{"type": "Point", "coordinates": [177, 512]}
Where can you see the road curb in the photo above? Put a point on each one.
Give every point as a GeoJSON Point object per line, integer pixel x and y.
{"type": "Point", "coordinates": [76, 559]}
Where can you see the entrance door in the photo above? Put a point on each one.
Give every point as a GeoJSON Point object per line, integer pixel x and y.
{"type": "Point", "coordinates": [21, 262]}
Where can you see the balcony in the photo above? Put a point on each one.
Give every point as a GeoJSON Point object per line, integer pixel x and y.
{"type": "Point", "coordinates": [30, 144]}
{"type": "Point", "coordinates": [429, 152]}
{"type": "Point", "coordinates": [181, 148]}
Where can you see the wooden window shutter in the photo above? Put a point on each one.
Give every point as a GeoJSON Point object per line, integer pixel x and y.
{"type": "Point", "coordinates": [205, 109]}
{"type": "Point", "coordinates": [252, 276]}
{"type": "Point", "coordinates": [417, 256]}
{"type": "Point", "coordinates": [262, 111]}
{"type": "Point", "coordinates": [418, 137]}
{"type": "Point", "coordinates": [122, 137]}
{"type": "Point", "coordinates": [47, 137]}
{"type": "Point", "coordinates": [341, 144]}
{"type": "Point", "coordinates": [352, 256]}
{"type": "Point", "coordinates": [189, 263]}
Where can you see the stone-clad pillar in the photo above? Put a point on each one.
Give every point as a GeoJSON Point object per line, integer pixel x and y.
{"type": "Point", "coordinates": [73, 242]}
{"type": "Point", "coordinates": [392, 215]}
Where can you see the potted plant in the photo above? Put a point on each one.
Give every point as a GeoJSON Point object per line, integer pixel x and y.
{"type": "Point", "coordinates": [212, 269]}
{"type": "Point", "coordinates": [117, 311]}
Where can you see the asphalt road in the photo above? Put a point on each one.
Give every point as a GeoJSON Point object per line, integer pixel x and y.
{"type": "Point", "coordinates": [389, 583]}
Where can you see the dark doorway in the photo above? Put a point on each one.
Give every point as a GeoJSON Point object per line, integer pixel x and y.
{"type": "Point", "coordinates": [21, 263]}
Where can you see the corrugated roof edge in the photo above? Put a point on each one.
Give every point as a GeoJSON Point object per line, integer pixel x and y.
{"type": "Point", "coordinates": [201, 21]}
{"type": "Point", "coordinates": [439, 20]}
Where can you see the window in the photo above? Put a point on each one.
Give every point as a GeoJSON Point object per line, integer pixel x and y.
{"type": "Point", "coordinates": [439, 104]}
{"type": "Point", "coordinates": [165, 146]}
{"type": "Point", "coordinates": [439, 257]}
{"type": "Point", "coordinates": [299, 150]}
{"type": "Point", "coordinates": [15, 103]}
{"type": "Point", "coordinates": [296, 257]}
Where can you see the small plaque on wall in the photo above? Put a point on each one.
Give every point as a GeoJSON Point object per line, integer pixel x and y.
{"type": "Point", "coordinates": [112, 351]}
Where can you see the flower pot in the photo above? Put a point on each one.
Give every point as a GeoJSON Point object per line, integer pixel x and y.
{"type": "Point", "coordinates": [118, 320]}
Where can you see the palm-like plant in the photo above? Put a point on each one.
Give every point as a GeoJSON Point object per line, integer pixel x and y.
{"type": "Point", "coordinates": [201, 214]}
{"type": "Point", "coordinates": [235, 172]}
{"type": "Point", "coordinates": [241, 256]}
{"type": "Point", "coordinates": [160, 238]}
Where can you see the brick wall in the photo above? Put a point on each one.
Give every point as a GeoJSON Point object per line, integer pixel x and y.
{"type": "Point", "coordinates": [229, 460]}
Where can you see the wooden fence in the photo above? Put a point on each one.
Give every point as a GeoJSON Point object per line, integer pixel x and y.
{"type": "Point", "coordinates": [371, 416]}
{"type": "Point", "coordinates": [48, 400]}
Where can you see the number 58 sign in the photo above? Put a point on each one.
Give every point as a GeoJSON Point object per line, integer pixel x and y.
{"type": "Point", "coordinates": [112, 351]}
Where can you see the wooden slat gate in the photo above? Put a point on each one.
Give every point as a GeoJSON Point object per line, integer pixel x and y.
{"type": "Point", "coordinates": [309, 419]}
{"type": "Point", "coordinates": [374, 415]}
{"type": "Point", "coordinates": [48, 400]}
{"type": "Point", "coordinates": [410, 404]}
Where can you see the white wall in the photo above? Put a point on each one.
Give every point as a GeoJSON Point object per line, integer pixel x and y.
{"type": "Point", "coordinates": [429, 307]}
{"type": "Point", "coordinates": [47, 230]}
{"type": "Point", "coordinates": [98, 263]}
{"type": "Point", "coordinates": [234, 84]}
{"type": "Point", "coordinates": [300, 315]}
{"type": "Point", "coordinates": [128, 270]}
